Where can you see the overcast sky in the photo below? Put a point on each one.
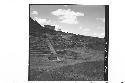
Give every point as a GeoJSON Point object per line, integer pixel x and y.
{"type": "Point", "coordinates": [78, 19]}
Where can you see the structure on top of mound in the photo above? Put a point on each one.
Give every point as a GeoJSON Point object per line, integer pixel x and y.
{"type": "Point", "coordinates": [49, 26]}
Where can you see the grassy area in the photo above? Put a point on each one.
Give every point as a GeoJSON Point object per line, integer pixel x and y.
{"type": "Point", "coordinates": [81, 72]}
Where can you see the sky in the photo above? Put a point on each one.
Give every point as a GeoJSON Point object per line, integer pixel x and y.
{"type": "Point", "coordinates": [88, 20]}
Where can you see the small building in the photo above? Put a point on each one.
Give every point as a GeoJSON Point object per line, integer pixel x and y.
{"type": "Point", "coordinates": [49, 26]}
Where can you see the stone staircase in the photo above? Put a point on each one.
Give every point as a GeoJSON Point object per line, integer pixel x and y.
{"type": "Point", "coordinates": [38, 51]}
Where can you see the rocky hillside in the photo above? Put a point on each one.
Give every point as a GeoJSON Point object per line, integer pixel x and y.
{"type": "Point", "coordinates": [63, 40]}
{"type": "Point", "coordinates": [82, 57]}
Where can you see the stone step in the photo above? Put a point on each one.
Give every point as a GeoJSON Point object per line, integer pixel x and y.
{"type": "Point", "coordinates": [36, 52]}
{"type": "Point", "coordinates": [39, 51]}
{"type": "Point", "coordinates": [40, 54]}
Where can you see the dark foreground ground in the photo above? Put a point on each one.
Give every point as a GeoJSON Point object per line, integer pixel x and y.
{"type": "Point", "coordinates": [86, 71]}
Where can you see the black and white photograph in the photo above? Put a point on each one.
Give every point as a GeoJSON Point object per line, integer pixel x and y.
{"type": "Point", "coordinates": [62, 41]}
{"type": "Point", "coordinates": [67, 42]}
